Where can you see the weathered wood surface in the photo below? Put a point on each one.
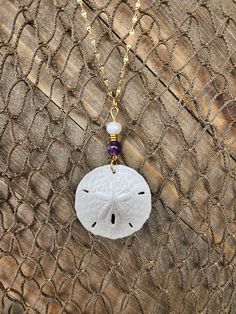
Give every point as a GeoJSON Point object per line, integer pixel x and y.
{"type": "Point", "coordinates": [206, 95]}
{"type": "Point", "coordinates": [154, 281]}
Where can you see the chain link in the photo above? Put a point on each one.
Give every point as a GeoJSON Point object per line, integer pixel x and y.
{"type": "Point", "coordinates": [113, 96]}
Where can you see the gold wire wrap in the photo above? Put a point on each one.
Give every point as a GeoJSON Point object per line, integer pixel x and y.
{"type": "Point", "coordinates": [114, 112]}
{"type": "Point", "coordinates": [113, 137]}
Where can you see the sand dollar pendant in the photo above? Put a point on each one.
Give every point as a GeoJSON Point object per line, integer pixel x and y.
{"type": "Point", "coordinates": [113, 201]}
{"type": "Point", "coordinates": [113, 205]}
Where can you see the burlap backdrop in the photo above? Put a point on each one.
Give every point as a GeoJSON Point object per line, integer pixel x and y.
{"type": "Point", "coordinates": [178, 113]}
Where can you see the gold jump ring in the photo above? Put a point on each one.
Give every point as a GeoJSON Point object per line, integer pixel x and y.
{"type": "Point", "coordinates": [113, 160]}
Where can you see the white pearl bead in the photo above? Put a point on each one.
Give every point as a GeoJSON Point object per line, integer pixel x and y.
{"type": "Point", "coordinates": [113, 127]}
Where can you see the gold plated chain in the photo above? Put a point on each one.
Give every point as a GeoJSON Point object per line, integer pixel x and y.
{"type": "Point", "coordinates": [113, 128]}
{"type": "Point", "coordinates": [114, 96]}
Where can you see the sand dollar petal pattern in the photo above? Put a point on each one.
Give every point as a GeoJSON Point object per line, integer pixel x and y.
{"type": "Point", "coordinates": [113, 205]}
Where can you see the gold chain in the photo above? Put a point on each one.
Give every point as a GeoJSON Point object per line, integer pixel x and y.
{"type": "Point", "coordinates": [114, 108]}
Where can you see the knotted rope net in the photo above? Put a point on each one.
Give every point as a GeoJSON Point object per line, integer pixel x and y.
{"type": "Point", "coordinates": [177, 108]}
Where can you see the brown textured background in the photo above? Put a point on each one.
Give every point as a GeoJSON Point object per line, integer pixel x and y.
{"type": "Point", "coordinates": [178, 110]}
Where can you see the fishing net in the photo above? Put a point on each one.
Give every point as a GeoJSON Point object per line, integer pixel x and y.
{"type": "Point", "coordinates": [177, 108]}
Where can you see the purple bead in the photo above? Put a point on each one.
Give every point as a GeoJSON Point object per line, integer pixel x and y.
{"type": "Point", "coordinates": [114, 148]}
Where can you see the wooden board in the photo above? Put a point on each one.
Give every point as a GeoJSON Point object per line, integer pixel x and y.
{"type": "Point", "coordinates": [53, 124]}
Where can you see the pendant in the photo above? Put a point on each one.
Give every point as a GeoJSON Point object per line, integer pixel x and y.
{"type": "Point", "coordinates": [113, 204]}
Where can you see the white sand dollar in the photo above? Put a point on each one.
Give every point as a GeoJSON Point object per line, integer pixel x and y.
{"type": "Point", "coordinates": [113, 205]}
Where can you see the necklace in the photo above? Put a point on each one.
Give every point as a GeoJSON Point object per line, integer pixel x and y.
{"type": "Point", "coordinates": [113, 201]}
